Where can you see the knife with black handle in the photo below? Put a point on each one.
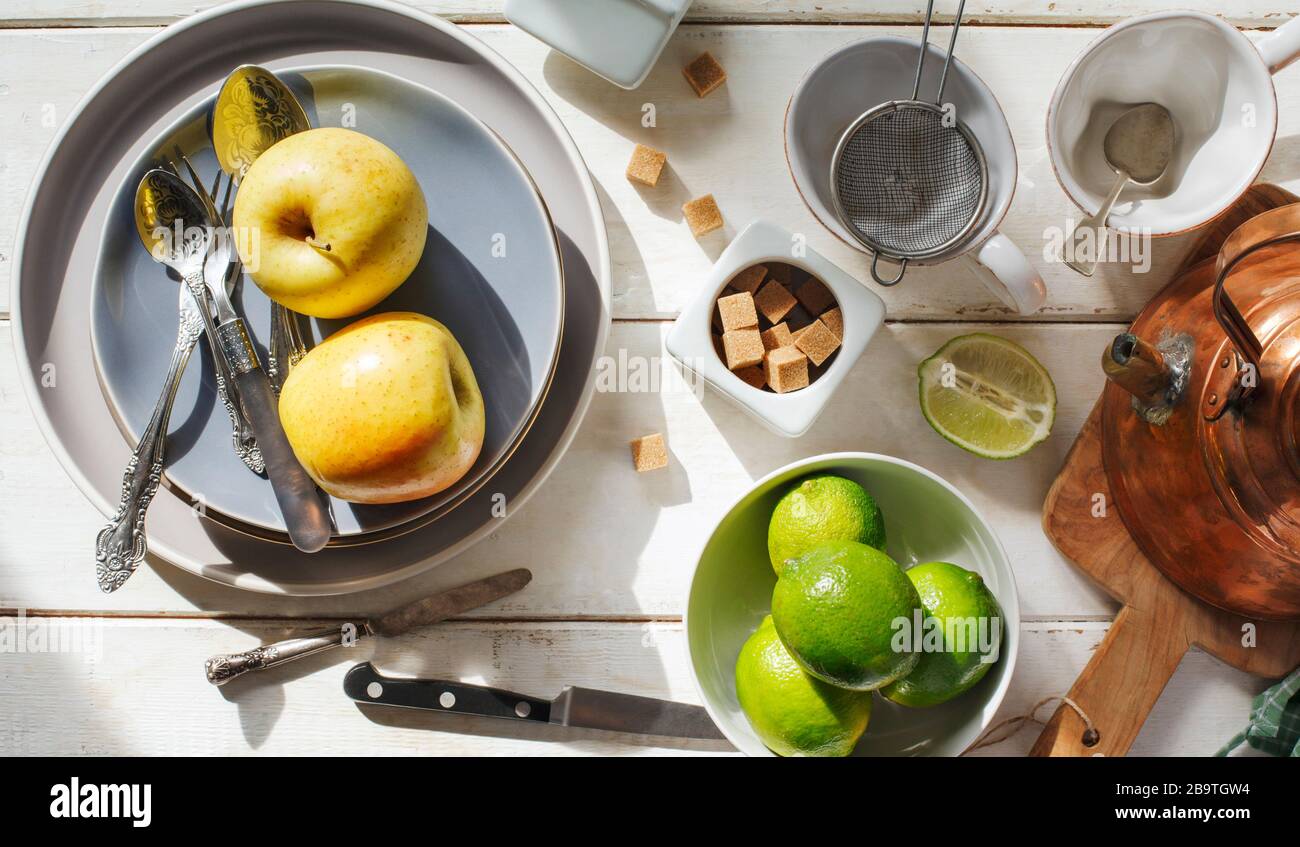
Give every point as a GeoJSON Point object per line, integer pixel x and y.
{"type": "Point", "coordinates": [575, 707]}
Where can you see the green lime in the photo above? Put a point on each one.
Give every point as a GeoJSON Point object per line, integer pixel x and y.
{"type": "Point", "coordinates": [838, 607]}
{"type": "Point", "coordinates": [961, 635]}
{"type": "Point", "coordinates": [823, 508]}
{"type": "Point", "coordinates": [793, 713]}
{"type": "Point", "coordinates": [988, 396]}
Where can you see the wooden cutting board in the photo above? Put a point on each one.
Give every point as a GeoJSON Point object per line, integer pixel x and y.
{"type": "Point", "coordinates": [1158, 622]}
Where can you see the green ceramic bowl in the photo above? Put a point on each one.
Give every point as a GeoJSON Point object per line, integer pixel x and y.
{"type": "Point", "coordinates": [926, 519]}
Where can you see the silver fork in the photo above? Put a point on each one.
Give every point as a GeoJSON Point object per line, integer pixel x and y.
{"type": "Point", "coordinates": [242, 438]}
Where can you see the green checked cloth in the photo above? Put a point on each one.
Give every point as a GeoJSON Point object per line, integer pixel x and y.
{"type": "Point", "coordinates": [1274, 721]}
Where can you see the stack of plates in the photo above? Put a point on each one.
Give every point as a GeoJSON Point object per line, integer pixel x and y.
{"type": "Point", "coordinates": [497, 169]}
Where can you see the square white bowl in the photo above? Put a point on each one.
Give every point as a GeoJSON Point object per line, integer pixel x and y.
{"type": "Point", "coordinates": [619, 40]}
{"type": "Point", "coordinates": [690, 341]}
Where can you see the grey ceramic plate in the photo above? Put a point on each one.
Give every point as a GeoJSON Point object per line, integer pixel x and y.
{"type": "Point", "coordinates": [117, 123]}
{"type": "Point", "coordinates": [490, 271]}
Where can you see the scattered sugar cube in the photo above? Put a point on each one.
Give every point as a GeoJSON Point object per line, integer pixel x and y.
{"type": "Point", "coordinates": [704, 74]}
{"type": "Point", "coordinates": [786, 369]}
{"type": "Point", "coordinates": [737, 312]}
{"type": "Point", "coordinates": [743, 348]}
{"type": "Point", "coordinates": [702, 215]}
{"type": "Point", "coordinates": [753, 376]}
{"type": "Point", "coordinates": [750, 278]}
{"type": "Point", "coordinates": [817, 342]}
{"type": "Point", "coordinates": [646, 165]}
{"type": "Point", "coordinates": [777, 336]}
{"type": "Point", "coordinates": [815, 296]}
{"type": "Point", "coordinates": [774, 301]}
{"type": "Point", "coordinates": [834, 320]}
{"type": "Point", "coordinates": [649, 452]}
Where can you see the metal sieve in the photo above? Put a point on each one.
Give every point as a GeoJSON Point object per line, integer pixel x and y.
{"type": "Point", "coordinates": [908, 178]}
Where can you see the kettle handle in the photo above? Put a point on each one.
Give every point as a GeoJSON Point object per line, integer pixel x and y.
{"type": "Point", "coordinates": [1276, 226]}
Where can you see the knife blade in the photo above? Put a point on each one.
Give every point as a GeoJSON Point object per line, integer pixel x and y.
{"type": "Point", "coordinates": [429, 610]}
{"type": "Point", "coordinates": [588, 708]}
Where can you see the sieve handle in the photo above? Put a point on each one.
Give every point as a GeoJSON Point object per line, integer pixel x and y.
{"type": "Point", "coordinates": [952, 43]}
{"type": "Point", "coordinates": [875, 274]}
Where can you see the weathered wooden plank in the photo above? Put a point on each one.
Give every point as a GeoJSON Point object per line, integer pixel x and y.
{"type": "Point", "coordinates": [602, 540]}
{"type": "Point", "coordinates": [139, 12]}
{"type": "Point", "coordinates": [139, 690]}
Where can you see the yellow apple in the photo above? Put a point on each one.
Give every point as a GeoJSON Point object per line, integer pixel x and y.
{"type": "Point", "coordinates": [385, 410]}
{"type": "Point", "coordinates": [329, 222]}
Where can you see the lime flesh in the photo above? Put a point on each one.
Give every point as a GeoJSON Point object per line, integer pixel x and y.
{"type": "Point", "coordinates": [987, 395]}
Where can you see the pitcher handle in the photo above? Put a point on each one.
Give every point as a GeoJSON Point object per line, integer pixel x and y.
{"type": "Point", "coordinates": [1011, 279]}
{"type": "Point", "coordinates": [1280, 47]}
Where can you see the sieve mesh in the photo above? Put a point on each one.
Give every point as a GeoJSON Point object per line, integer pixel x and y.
{"type": "Point", "coordinates": [908, 184]}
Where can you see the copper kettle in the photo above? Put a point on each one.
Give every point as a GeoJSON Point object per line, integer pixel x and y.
{"type": "Point", "coordinates": [1201, 421]}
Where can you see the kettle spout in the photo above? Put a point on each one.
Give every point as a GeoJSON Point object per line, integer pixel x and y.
{"type": "Point", "coordinates": [1155, 376]}
{"type": "Point", "coordinates": [1138, 368]}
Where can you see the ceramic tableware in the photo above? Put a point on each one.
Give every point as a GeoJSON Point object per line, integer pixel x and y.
{"type": "Point", "coordinates": [1215, 82]}
{"type": "Point", "coordinates": [501, 298]}
{"type": "Point", "coordinates": [926, 519]}
{"type": "Point", "coordinates": [619, 40]}
{"type": "Point", "coordinates": [59, 239]}
{"type": "Point", "coordinates": [690, 341]}
{"type": "Point", "coordinates": [863, 74]}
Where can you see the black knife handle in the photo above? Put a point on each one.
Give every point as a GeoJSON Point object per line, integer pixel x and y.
{"type": "Point", "coordinates": [366, 685]}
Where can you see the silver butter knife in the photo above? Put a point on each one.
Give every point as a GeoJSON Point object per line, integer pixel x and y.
{"type": "Point", "coordinates": [575, 707]}
{"type": "Point", "coordinates": [430, 610]}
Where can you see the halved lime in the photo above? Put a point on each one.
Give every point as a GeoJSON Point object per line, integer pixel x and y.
{"type": "Point", "coordinates": [987, 395]}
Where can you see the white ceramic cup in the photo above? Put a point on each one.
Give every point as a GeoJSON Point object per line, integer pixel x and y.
{"type": "Point", "coordinates": [863, 74]}
{"type": "Point", "coordinates": [1215, 82]}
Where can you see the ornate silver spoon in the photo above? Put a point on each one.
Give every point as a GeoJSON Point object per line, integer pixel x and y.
{"type": "Point", "coordinates": [121, 546]}
{"type": "Point", "coordinates": [254, 110]}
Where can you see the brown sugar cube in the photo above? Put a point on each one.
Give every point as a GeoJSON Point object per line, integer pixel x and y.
{"type": "Point", "coordinates": [750, 278]}
{"type": "Point", "coordinates": [786, 369]}
{"type": "Point", "coordinates": [753, 376]}
{"type": "Point", "coordinates": [646, 165]}
{"type": "Point", "coordinates": [737, 311]}
{"type": "Point", "coordinates": [815, 296]}
{"type": "Point", "coordinates": [834, 320]}
{"type": "Point", "coordinates": [702, 215]}
{"type": "Point", "coordinates": [777, 336]}
{"type": "Point", "coordinates": [649, 453]}
{"type": "Point", "coordinates": [774, 301]}
{"type": "Point", "coordinates": [742, 348]}
{"type": "Point", "coordinates": [704, 73]}
{"type": "Point", "coordinates": [817, 342]}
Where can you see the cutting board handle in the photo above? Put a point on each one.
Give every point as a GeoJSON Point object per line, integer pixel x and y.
{"type": "Point", "coordinates": [1119, 686]}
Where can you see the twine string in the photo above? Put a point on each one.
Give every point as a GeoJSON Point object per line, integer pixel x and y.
{"type": "Point", "coordinates": [1003, 730]}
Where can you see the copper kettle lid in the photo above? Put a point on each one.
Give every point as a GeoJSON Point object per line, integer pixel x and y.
{"type": "Point", "coordinates": [1207, 477]}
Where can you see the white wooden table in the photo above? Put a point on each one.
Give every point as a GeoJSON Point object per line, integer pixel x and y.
{"type": "Point", "coordinates": [604, 608]}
